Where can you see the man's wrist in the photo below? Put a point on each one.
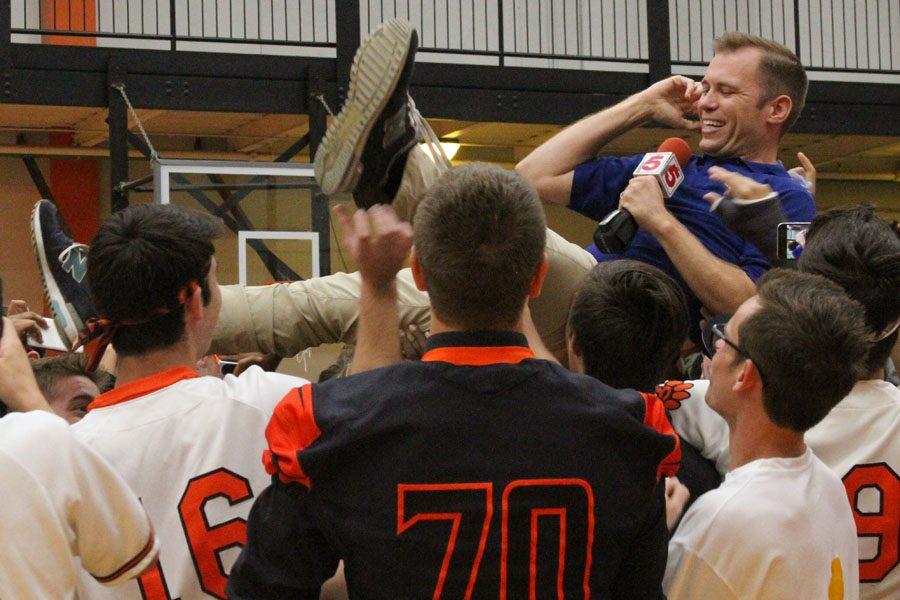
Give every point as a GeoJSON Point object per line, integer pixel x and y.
{"type": "Point", "coordinates": [384, 289]}
{"type": "Point", "coordinates": [662, 225]}
{"type": "Point", "coordinates": [639, 109]}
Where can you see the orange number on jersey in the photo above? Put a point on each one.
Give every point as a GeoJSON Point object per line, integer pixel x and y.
{"type": "Point", "coordinates": [205, 541]}
{"type": "Point", "coordinates": [883, 524]}
{"type": "Point", "coordinates": [572, 503]}
{"type": "Point", "coordinates": [152, 584]}
{"type": "Point", "coordinates": [470, 552]}
{"type": "Point", "coordinates": [526, 505]}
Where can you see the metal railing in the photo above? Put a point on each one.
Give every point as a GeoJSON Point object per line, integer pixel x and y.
{"type": "Point", "coordinates": [834, 35]}
{"type": "Point", "coordinates": [552, 29]}
{"type": "Point", "coordinates": [270, 22]}
{"type": "Point", "coordinates": [842, 36]}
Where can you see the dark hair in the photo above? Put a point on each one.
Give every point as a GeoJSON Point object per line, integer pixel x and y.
{"type": "Point", "coordinates": [781, 71]}
{"type": "Point", "coordinates": [628, 323]}
{"type": "Point", "coordinates": [48, 371]}
{"type": "Point", "coordinates": [809, 340]}
{"type": "Point", "coordinates": [479, 236]}
{"type": "Point", "coordinates": [854, 248]}
{"type": "Point", "coordinates": [140, 261]}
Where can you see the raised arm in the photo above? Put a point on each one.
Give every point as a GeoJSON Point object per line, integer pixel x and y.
{"type": "Point", "coordinates": [18, 389]}
{"type": "Point", "coordinates": [379, 243]}
{"type": "Point", "coordinates": [549, 168]}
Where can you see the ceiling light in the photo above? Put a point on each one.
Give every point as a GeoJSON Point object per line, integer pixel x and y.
{"type": "Point", "coordinates": [450, 149]}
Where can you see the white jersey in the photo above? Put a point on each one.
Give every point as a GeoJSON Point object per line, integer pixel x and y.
{"type": "Point", "coordinates": [191, 448]}
{"type": "Point", "coordinates": [777, 528]}
{"type": "Point", "coordinates": [62, 502]}
{"type": "Point", "coordinates": [859, 440]}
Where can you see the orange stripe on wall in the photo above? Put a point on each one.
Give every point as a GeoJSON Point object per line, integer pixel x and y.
{"type": "Point", "coordinates": [76, 187]}
{"type": "Point", "coordinates": [72, 15]}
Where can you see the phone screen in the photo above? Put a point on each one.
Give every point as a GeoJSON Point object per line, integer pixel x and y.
{"type": "Point", "coordinates": [791, 239]}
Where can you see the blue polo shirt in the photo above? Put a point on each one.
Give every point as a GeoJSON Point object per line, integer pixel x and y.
{"type": "Point", "coordinates": [598, 183]}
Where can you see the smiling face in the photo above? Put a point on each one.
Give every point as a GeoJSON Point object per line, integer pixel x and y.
{"type": "Point", "coordinates": [733, 109]}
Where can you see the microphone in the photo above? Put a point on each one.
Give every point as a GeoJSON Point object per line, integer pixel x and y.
{"type": "Point", "coordinates": [617, 229]}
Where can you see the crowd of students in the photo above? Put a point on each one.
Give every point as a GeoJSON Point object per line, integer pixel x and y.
{"type": "Point", "coordinates": [549, 439]}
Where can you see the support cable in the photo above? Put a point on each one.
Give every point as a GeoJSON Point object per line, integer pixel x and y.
{"type": "Point", "coordinates": [154, 155]}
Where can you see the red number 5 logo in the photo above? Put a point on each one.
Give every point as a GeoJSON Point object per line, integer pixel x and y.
{"type": "Point", "coordinates": [652, 162]}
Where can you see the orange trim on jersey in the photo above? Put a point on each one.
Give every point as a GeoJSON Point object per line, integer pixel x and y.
{"type": "Point", "coordinates": [655, 418]}
{"type": "Point", "coordinates": [148, 547]}
{"type": "Point", "coordinates": [478, 356]}
{"type": "Point", "coordinates": [143, 386]}
{"type": "Point", "coordinates": [291, 429]}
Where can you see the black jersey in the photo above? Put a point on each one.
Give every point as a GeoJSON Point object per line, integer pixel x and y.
{"type": "Point", "coordinates": [479, 472]}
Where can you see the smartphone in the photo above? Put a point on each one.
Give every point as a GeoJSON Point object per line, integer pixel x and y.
{"type": "Point", "coordinates": [51, 339]}
{"type": "Point", "coordinates": [791, 239]}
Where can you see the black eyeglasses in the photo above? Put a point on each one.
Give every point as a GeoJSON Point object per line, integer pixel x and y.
{"type": "Point", "coordinates": [718, 330]}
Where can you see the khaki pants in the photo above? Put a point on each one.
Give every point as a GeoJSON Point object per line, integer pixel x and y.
{"type": "Point", "coordinates": [285, 319]}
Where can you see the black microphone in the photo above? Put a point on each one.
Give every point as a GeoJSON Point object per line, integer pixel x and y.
{"type": "Point", "coordinates": [617, 229]}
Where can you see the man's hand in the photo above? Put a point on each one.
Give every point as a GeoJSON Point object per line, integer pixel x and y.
{"type": "Point", "coordinates": [677, 496]}
{"type": "Point", "coordinates": [378, 241]}
{"type": "Point", "coordinates": [807, 171]}
{"type": "Point", "coordinates": [671, 99]}
{"type": "Point", "coordinates": [412, 342]}
{"type": "Point", "coordinates": [644, 200]}
{"type": "Point", "coordinates": [18, 388]}
{"type": "Point", "coordinates": [737, 186]}
{"type": "Point", "coordinates": [25, 321]}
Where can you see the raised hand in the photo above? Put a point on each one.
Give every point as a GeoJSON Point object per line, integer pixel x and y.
{"type": "Point", "coordinates": [378, 241]}
{"type": "Point", "coordinates": [807, 171]}
{"type": "Point", "coordinates": [671, 99]}
{"type": "Point", "coordinates": [737, 186]}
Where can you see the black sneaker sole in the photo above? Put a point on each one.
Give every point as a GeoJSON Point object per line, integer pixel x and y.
{"type": "Point", "coordinates": [376, 69]}
{"type": "Point", "coordinates": [67, 324]}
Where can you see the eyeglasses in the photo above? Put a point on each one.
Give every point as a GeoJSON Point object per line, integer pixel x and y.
{"type": "Point", "coordinates": [718, 330]}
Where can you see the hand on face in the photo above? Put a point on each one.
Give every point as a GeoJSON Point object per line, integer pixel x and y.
{"type": "Point", "coordinates": [378, 241]}
{"type": "Point", "coordinates": [673, 98]}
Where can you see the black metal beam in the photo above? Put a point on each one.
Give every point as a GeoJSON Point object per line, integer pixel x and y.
{"type": "Point", "coordinates": [37, 178]}
{"type": "Point", "coordinates": [658, 48]}
{"type": "Point", "coordinates": [5, 35]}
{"type": "Point", "coordinates": [348, 39]}
{"type": "Point", "coordinates": [117, 121]}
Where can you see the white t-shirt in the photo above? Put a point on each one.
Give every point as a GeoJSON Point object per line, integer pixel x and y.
{"type": "Point", "coordinates": [859, 440]}
{"type": "Point", "coordinates": [62, 501]}
{"type": "Point", "coordinates": [191, 449]}
{"type": "Point", "coordinates": [777, 528]}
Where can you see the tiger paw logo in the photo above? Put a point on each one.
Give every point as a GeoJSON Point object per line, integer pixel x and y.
{"type": "Point", "coordinates": [672, 393]}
